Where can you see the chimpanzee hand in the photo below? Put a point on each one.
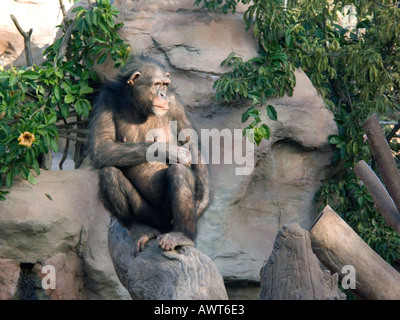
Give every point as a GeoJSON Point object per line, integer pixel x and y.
{"type": "Point", "coordinates": [181, 154]}
{"type": "Point", "coordinates": [184, 156]}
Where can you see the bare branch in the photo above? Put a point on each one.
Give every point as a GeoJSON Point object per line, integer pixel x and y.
{"type": "Point", "coordinates": [62, 7]}
{"type": "Point", "coordinates": [393, 132]}
{"type": "Point", "coordinates": [397, 4]}
{"type": "Point", "coordinates": [73, 138]}
{"type": "Point", "coordinates": [67, 37]}
{"type": "Point", "coordinates": [27, 40]}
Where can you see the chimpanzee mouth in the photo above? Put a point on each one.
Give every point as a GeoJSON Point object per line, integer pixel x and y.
{"type": "Point", "coordinates": [162, 107]}
{"type": "Point", "coordinates": [161, 103]}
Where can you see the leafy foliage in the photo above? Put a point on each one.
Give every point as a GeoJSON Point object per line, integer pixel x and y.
{"type": "Point", "coordinates": [33, 98]}
{"type": "Point", "coordinates": [351, 52]}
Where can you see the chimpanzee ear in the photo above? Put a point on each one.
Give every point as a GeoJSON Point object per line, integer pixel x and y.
{"type": "Point", "coordinates": [132, 79]}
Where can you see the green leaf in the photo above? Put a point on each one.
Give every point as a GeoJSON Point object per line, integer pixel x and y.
{"type": "Point", "coordinates": [102, 58]}
{"type": "Point", "coordinates": [271, 112]}
{"type": "Point", "coordinates": [35, 166]}
{"type": "Point", "coordinates": [46, 139]}
{"type": "Point", "coordinates": [66, 87]}
{"type": "Point", "coordinates": [2, 193]}
{"type": "Point", "coordinates": [334, 139]}
{"type": "Point", "coordinates": [79, 8]}
{"type": "Point", "coordinates": [245, 116]}
{"type": "Point", "coordinates": [265, 131]}
{"type": "Point", "coordinates": [4, 169]}
{"type": "Point", "coordinates": [57, 92]}
{"type": "Point", "coordinates": [253, 112]}
{"type": "Point", "coordinates": [69, 98]}
{"type": "Point", "coordinates": [52, 118]}
{"type": "Point", "coordinates": [9, 179]}
{"type": "Point", "coordinates": [85, 90]}
{"type": "Point", "coordinates": [49, 72]}
{"type": "Point", "coordinates": [25, 172]}
{"type": "Point", "coordinates": [31, 179]}
{"type": "Point", "coordinates": [28, 158]}
{"type": "Point", "coordinates": [64, 111]}
{"type": "Point", "coordinates": [13, 79]}
{"type": "Point", "coordinates": [83, 106]}
{"type": "Point", "coordinates": [31, 74]}
{"type": "Point", "coordinates": [54, 146]}
{"type": "Point", "coordinates": [59, 74]}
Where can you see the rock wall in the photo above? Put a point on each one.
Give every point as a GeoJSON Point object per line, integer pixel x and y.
{"type": "Point", "coordinates": [239, 228]}
{"type": "Point", "coordinates": [61, 223]}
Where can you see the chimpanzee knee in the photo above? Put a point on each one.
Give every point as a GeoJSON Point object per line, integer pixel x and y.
{"type": "Point", "coordinates": [179, 174]}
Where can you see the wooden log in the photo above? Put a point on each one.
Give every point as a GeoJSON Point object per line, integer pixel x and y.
{"type": "Point", "coordinates": [383, 157]}
{"type": "Point", "coordinates": [337, 245]}
{"type": "Point", "coordinates": [154, 274]}
{"type": "Point", "coordinates": [292, 271]}
{"type": "Point", "coordinates": [384, 203]}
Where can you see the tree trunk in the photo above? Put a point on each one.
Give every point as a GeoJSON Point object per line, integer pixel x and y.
{"type": "Point", "coordinates": [381, 197]}
{"type": "Point", "coordinates": [293, 271]}
{"type": "Point", "coordinates": [337, 245]}
{"type": "Point", "coordinates": [383, 157]}
{"type": "Point", "coordinates": [154, 274]}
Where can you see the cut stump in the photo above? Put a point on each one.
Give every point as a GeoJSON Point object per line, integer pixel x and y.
{"type": "Point", "coordinates": [154, 274]}
{"type": "Point", "coordinates": [293, 271]}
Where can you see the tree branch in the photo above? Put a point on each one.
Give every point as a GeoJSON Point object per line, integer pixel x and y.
{"type": "Point", "coordinates": [384, 203]}
{"type": "Point", "coordinates": [383, 157]}
{"type": "Point", "coordinates": [27, 40]}
{"type": "Point", "coordinates": [67, 37]}
{"type": "Point", "coordinates": [397, 4]}
{"type": "Point", "coordinates": [393, 132]}
{"type": "Point", "coordinates": [62, 7]}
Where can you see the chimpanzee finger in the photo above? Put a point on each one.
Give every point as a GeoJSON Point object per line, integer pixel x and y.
{"type": "Point", "coordinates": [184, 156]}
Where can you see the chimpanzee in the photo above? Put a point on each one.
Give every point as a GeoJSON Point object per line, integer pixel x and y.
{"type": "Point", "coordinates": [152, 199]}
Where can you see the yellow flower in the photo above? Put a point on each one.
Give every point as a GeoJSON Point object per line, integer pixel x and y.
{"type": "Point", "coordinates": [26, 139]}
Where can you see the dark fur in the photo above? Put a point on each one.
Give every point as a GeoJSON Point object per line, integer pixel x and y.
{"type": "Point", "coordinates": [147, 199]}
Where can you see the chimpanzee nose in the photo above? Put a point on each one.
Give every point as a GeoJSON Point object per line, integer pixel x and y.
{"type": "Point", "coordinates": [161, 94]}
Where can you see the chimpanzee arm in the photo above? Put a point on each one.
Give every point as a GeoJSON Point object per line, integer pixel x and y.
{"type": "Point", "coordinates": [200, 169]}
{"type": "Point", "coordinates": [106, 151]}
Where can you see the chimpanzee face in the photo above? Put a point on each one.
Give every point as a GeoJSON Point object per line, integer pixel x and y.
{"type": "Point", "coordinates": [150, 86]}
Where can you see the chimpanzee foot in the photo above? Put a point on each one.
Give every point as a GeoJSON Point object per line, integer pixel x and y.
{"type": "Point", "coordinates": [142, 238]}
{"type": "Point", "coordinates": [169, 241]}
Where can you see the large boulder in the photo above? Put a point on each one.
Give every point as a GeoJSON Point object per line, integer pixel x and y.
{"type": "Point", "coordinates": [61, 223]}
